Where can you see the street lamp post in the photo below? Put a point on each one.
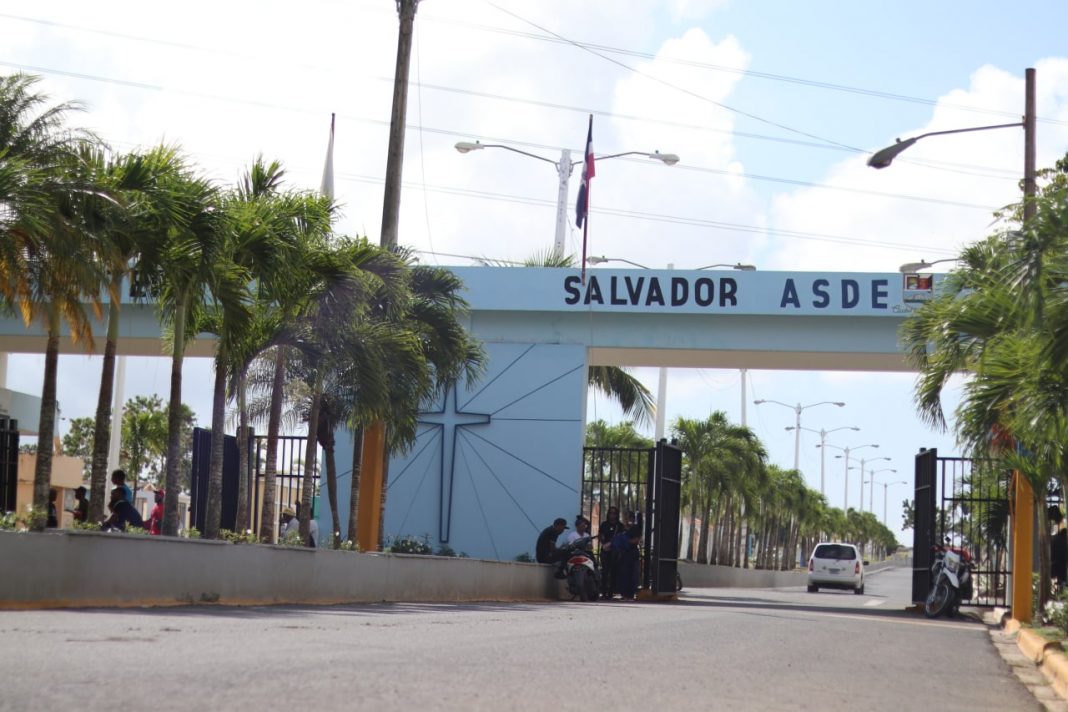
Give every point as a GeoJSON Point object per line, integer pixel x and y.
{"type": "Point", "coordinates": [871, 485]}
{"type": "Point", "coordinates": [862, 464]}
{"type": "Point", "coordinates": [846, 451]}
{"type": "Point", "coordinates": [823, 452]}
{"type": "Point", "coordinates": [923, 264]}
{"type": "Point", "coordinates": [797, 424]}
{"type": "Point", "coordinates": [1023, 513]}
{"type": "Point", "coordinates": [564, 168]}
{"type": "Point", "coordinates": [885, 486]}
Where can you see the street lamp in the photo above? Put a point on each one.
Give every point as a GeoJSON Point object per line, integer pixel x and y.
{"type": "Point", "coordinates": [885, 486]}
{"type": "Point", "coordinates": [847, 450]}
{"type": "Point", "coordinates": [738, 266]}
{"type": "Point", "coordinates": [863, 462]}
{"type": "Point", "coordinates": [595, 260]}
{"type": "Point", "coordinates": [797, 410]}
{"type": "Point", "coordinates": [871, 486]}
{"type": "Point", "coordinates": [564, 168]}
{"type": "Point", "coordinates": [917, 266]}
{"type": "Point", "coordinates": [823, 452]}
{"type": "Point", "coordinates": [883, 158]}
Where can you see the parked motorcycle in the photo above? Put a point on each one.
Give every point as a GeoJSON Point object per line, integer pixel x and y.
{"type": "Point", "coordinates": [951, 581]}
{"type": "Point", "coordinates": [581, 570]}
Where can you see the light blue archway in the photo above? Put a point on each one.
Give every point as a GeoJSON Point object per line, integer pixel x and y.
{"type": "Point", "coordinates": [499, 459]}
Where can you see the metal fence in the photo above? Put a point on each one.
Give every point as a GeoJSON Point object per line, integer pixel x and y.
{"type": "Point", "coordinates": [9, 463]}
{"type": "Point", "coordinates": [289, 479]}
{"type": "Point", "coordinates": [963, 503]}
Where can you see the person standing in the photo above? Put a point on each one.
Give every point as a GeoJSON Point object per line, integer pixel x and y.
{"type": "Point", "coordinates": [609, 556]}
{"type": "Point", "coordinates": [155, 517]}
{"type": "Point", "coordinates": [81, 507]}
{"type": "Point", "coordinates": [53, 515]}
{"type": "Point", "coordinates": [627, 544]}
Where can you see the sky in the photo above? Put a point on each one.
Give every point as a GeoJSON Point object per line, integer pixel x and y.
{"type": "Point", "coordinates": [773, 108]}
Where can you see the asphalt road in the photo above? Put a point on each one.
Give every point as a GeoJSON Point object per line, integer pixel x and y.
{"type": "Point", "coordinates": [715, 649]}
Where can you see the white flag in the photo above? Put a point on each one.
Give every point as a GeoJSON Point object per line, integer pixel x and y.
{"type": "Point", "coordinates": [327, 188]}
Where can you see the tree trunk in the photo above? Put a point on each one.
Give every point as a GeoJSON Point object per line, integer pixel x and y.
{"type": "Point", "coordinates": [42, 474]}
{"type": "Point", "coordinates": [325, 436]}
{"type": "Point", "coordinates": [691, 550]}
{"type": "Point", "coordinates": [174, 422]}
{"type": "Point", "coordinates": [244, 510]}
{"type": "Point", "coordinates": [98, 476]}
{"type": "Point", "coordinates": [354, 479]}
{"type": "Point", "coordinates": [1045, 564]}
{"type": "Point", "coordinates": [270, 470]}
{"type": "Point", "coordinates": [702, 542]}
{"type": "Point", "coordinates": [213, 510]}
{"type": "Point", "coordinates": [307, 489]}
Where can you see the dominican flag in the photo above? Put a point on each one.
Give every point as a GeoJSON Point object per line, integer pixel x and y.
{"type": "Point", "coordinates": [582, 209]}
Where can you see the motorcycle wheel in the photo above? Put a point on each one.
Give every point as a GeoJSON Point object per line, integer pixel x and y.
{"type": "Point", "coordinates": [580, 583]}
{"type": "Point", "coordinates": [938, 600]}
{"type": "Point", "coordinates": [592, 592]}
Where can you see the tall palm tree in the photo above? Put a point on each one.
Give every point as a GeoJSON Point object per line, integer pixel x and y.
{"type": "Point", "coordinates": [193, 273]}
{"type": "Point", "coordinates": [1003, 317]}
{"type": "Point", "coordinates": [48, 264]}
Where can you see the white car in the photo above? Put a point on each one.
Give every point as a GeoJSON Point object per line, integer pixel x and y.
{"type": "Point", "coordinates": [835, 565]}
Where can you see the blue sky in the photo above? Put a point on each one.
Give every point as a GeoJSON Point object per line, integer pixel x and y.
{"type": "Point", "coordinates": [229, 80]}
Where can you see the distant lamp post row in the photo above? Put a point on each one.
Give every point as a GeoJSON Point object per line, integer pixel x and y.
{"type": "Point", "coordinates": [845, 453]}
{"type": "Point", "coordinates": [564, 167]}
{"type": "Point", "coordinates": [863, 463]}
{"type": "Point", "coordinates": [823, 451]}
{"type": "Point", "coordinates": [797, 424]}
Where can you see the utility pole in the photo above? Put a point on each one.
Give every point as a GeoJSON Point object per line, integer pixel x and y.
{"type": "Point", "coordinates": [375, 463]}
{"type": "Point", "coordinates": [395, 156]}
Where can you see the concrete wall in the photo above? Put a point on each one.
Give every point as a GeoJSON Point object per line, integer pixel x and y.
{"type": "Point", "coordinates": [75, 569]}
{"type": "Point", "coordinates": [701, 575]}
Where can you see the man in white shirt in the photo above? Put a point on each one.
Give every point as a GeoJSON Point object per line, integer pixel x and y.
{"type": "Point", "coordinates": [291, 523]}
{"type": "Point", "coordinates": [582, 529]}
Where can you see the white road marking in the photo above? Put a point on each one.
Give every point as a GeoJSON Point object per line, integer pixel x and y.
{"type": "Point", "coordinates": [874, 603]}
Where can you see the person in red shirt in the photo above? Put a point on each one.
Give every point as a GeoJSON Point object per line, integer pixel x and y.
{"type": "Point", "coordinates": [155, 517]}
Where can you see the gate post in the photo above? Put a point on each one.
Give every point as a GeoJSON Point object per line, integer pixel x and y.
{"type": "Point", "coordinates": [1023, 516]}
{"type": "Point", "coordinates": [369, 517]}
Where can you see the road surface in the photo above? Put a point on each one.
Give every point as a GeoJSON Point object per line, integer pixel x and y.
{"type": "Point", "coordinates": [763, 649]}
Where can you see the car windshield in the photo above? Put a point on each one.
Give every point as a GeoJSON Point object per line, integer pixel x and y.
{"type": "Point", "coordinates": [835, 551]}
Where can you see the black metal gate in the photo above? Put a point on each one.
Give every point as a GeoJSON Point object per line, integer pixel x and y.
{"type": "Point", "coordinates": [200, 475]}
{"type": "Point", "coordinates": [9, 463]}
{"type": "Point", "coordinates": [963, 503]}
{"type": "Point", "coordinates": [645, 480]}
{"type": "Point", "coordinates": [289, 478]}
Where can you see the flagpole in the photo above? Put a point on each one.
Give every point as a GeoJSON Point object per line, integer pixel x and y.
{"type": "Point", "coordinates": [585, 228]}
{"type": "Point", "coordinates": [587, 175]}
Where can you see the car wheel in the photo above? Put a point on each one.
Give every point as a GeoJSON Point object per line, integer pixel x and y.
{"type": "Point", "coordinates": [813, 589]}
{"type": "Point", "coordinates": [859, 591]}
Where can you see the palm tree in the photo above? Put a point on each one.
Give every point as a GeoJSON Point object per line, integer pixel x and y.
{"type": "Point", "coordinates": [48, 268]}
{"type": "Point", "coordinates": [1003, 316]}
{"type": "Point", "coordinates": [193, 274]}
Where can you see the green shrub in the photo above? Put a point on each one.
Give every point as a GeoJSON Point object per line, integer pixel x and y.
{"type": "Point", "coordinates": [246, 537]}
{"type": "Point", "coordinates": [411, 545]}
{"type": "Point", "coordinates": [525, 558]}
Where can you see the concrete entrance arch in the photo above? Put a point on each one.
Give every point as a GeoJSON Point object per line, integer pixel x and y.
{"type": "Point", "coordinates": [498, 460]}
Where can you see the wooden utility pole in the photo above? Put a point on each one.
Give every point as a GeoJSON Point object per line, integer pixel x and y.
{"type": "Point", "coordinates": [395, 157]}
{"type": "Point", "coordinates": [375, 465]}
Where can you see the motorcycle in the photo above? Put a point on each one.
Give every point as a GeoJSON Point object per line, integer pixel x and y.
{"type": "Point", "coordinates": [581, 570]}
{"type": "Point", "coordinates": [951, 581]}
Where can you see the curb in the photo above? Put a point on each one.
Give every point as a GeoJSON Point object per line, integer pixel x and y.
{"type": "Point", "coordinates": [1039, 655]}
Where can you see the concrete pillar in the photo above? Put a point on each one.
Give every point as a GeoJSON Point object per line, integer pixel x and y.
{"type": "Point", "coordinates": [1022, 523]}
{"type": "Point", "coordinates": [369, 517]}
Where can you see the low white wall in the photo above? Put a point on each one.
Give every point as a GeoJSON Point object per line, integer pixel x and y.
{"type": "Point", "coordinates": [71, 569]}
{"type": "Point", "coordinates": [709, 576]}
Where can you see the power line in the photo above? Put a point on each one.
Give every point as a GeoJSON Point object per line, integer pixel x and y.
{"type": "Point", "coordinates": [553, 39]}
{"type": "Point", "coordinates": [378, 122]}
{"type": "Point", "coordinates": [986, 171]}
{"type": "Point", "coordinates": [657, 217]}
